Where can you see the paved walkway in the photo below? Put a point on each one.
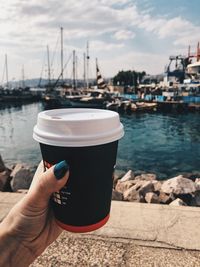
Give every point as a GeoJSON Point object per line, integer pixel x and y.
{"type": "Point", "coordinates": [80, 251]}
{"type": "Point", "coordinates": [128, 239]}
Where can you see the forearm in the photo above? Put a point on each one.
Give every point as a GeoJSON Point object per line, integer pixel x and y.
{"type": "Point", "coordinates": [12, 252]}
{"type": "Point", "coordinates": [30, 226]}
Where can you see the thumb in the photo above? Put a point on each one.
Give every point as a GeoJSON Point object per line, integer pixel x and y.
{"type": "Point", "coordinates": [46, 183]}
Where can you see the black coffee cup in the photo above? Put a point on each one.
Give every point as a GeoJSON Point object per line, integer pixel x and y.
{"type": "Point", "coordinates": [87, 139]}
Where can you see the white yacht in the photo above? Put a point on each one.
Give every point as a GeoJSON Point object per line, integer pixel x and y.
{"type": "Point", "coordinates": [193, 71]}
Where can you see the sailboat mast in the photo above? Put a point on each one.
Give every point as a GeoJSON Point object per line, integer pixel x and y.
{"type": "Point", "coordinates": [74, 70]}
{"type": "Point", "coordinates": [23, 82]}
{"type": "Point", "coordinates": [61, 30]}
{"type": "Point", "coordinates": [96, 68]}
{"type": "Point", "coordinates": [84, 68]}
{"type": "Point", "coordinates": [198, 52]}
{"type": "Point", "coordinates": [49, 70]}
{"type": "Point", "coordinates": [6, 66]}
{"type": "Point", "coordinates": [88, 57]}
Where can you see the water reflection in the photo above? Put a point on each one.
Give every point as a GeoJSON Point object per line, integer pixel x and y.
{"type": "Point", "coordinates": [16, 143]}
{"type": "Point", "coordinates": [11, 106]}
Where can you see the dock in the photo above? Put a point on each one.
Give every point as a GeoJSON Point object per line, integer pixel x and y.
{"type": "Point", "coordinates": [178, 104]}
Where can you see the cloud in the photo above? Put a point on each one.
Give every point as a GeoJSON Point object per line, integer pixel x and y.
{"type": "Point", "coordinates": [182, 30]}
{"type": "Point", "coordinates": [104, 46]}
{"type": "Point", "coordinates": [82, 19]}
{"type": "Point", "coordinates": [28, 26]}
{"type": "Point", "coordinates": [173, 27]}
{"type": "Point", "coordinates": [34, 10]}
{"type": "Point", "coordinates": [114, 2]}
{"type": "Point", "coordinates": [124, 35]}
{"type": "Point", "coordinates": [150, 24]}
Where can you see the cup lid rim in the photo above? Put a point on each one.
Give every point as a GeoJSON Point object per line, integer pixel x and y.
{"type": "Point", "coordinates": [77, 127]}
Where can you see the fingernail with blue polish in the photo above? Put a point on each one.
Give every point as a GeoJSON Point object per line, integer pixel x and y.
{"type": "Point", "coordinates": [60, 169]}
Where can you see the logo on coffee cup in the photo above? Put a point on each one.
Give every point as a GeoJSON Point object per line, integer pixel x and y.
{"type": "Point", "coordinates": [47, 165]}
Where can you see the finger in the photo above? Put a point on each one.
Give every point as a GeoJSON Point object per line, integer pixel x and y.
{"type": "Point", "coordinates": [47, 183]}
{"type": "Point", "coordinates": [38, 172]}
{"type": "Point", "coordinates": [40, 169]}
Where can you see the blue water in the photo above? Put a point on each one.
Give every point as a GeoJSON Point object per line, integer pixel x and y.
{"type": "Point", "coordinates": [16, 128]}
{"type": "Point", "coordinates": [166, 144]}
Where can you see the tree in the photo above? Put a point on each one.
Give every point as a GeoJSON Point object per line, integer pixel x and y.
{"type": "Point", "coordinates": [128, 78]}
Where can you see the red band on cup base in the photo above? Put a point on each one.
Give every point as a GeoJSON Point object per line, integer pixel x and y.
{"type": "Point", "coordinates": [83, 229]}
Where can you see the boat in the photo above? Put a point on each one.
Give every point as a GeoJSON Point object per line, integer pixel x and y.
{"type": "Point", "coordinates": [12, 94]}
{"type": "Point", "coordinates": [193, 74]}
{"type": "Point", "coordinates": [95, 98]}
{"type": "Point", "coordinates": [143, 106]}
{"type": "Point", "coordinates": [193, 69]}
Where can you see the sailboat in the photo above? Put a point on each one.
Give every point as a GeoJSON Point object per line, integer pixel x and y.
{"type": "Point", "coordinates": [10, 94]}
{"type": "Point", "coordinates": [95, 98]}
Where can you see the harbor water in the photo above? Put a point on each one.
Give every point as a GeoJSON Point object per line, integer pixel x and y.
{"type": "Point", "coordinates": [163, 143]}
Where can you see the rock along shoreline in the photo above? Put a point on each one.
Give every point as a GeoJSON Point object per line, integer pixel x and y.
{"type": "Point", "coordinates": [182, 190]}
{"type": "Point", "coordinates": [16, 178]}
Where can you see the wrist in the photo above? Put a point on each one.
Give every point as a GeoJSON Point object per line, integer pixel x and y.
{"type": "Point", "coordinates": [12, 251]}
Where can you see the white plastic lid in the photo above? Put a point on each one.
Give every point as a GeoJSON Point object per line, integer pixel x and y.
{"type": "Point", "coordinates": [77, 127]}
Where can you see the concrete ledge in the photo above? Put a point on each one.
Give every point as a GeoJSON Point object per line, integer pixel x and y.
{"type": "Point", "coordinates": [147, 224]}
{"type": "Point", "coordinates": [7, 201]}
{"type": "Point", "coordinates": [161, 225]}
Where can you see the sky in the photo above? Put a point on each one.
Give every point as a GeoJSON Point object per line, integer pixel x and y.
{"type": "Point", "coordinates": [123, 34]}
